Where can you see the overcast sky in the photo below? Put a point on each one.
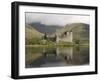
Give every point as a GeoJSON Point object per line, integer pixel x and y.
{"type": "Point", "coordinates": [56, 19]}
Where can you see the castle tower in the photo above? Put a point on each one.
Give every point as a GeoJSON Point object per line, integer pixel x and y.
{"type": "Point", "coordinates": [71, 37]}
{"type": "Point", "coordinates": [57, 39]}
{"type": "Point", "coordinates": [67, 37]}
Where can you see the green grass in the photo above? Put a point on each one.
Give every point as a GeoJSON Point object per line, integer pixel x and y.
{"type": "Point", "coordinates": [58, 45]}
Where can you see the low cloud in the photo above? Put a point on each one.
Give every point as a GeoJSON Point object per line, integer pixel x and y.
{"type": "Point", "coordinates": [55, 19]}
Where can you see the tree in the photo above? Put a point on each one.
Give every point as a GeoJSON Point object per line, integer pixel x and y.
{"type": "Point", "coordinates": [77, 41]}
{"type": "Point", "coordinates": [45, 36]}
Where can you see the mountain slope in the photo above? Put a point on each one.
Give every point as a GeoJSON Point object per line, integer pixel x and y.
{"type": "Point", "coordinates": [31, 33]}
{"type": "Point", "coordinates": [49, 29]}
{"type": "Point", "coordinates": [80, 30]}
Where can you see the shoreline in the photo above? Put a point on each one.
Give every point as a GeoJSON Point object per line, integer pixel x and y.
{"type": "Point", "coordinates": [60, 45]}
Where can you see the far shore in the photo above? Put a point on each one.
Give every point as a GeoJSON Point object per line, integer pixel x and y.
{"type": "Point", "coordinates": [58, 45]}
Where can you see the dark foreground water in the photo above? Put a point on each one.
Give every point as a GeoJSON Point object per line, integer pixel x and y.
{"type": "Point", "coordinates": [54, 57]}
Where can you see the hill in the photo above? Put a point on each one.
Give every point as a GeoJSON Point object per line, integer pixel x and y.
{"type": "Point", "coordinates": [80, 30]}
{"type": "Point", "coordinates": [34, 34]}
{"type": "Point", "coordinates": [48, 29]}
{"type": "Point", "coordinates": [31, 34]}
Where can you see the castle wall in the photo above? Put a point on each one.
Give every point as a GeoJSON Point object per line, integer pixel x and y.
{"type": "Point", "coordinates": [67, 38]}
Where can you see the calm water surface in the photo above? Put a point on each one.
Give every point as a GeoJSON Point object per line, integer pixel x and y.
{"type": "Point", "coordinates": [58, 56]}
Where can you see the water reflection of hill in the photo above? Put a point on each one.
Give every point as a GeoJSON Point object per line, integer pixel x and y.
{"type": "Point", "coordinates": [52, 57]}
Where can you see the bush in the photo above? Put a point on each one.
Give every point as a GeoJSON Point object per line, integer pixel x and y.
{"type": "Point", "coordinates": [77, 41]}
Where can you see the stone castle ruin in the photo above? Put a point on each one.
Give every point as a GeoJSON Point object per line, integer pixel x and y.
{"type": "Point", "coordinates": [64, 37]}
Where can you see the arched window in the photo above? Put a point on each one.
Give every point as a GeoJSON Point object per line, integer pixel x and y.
{"type": "Point", "coordinates": [65, 33]}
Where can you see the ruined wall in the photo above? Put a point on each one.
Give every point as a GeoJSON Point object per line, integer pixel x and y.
{"type": "Point", "coordinates": [66, 38]}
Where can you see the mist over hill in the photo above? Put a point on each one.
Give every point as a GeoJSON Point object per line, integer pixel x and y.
{"type": "Point", "coordinates": [49, 29]}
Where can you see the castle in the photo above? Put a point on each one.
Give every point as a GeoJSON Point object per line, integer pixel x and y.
{"type": "Point", "coordinates": [64, 37]}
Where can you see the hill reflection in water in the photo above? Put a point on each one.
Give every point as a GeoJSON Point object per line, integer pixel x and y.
{"type": "Point", "coordinates": [54, 57]}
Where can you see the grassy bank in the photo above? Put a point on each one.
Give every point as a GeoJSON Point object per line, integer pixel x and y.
{"type": "Point", "coordinates": [58, 45]}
